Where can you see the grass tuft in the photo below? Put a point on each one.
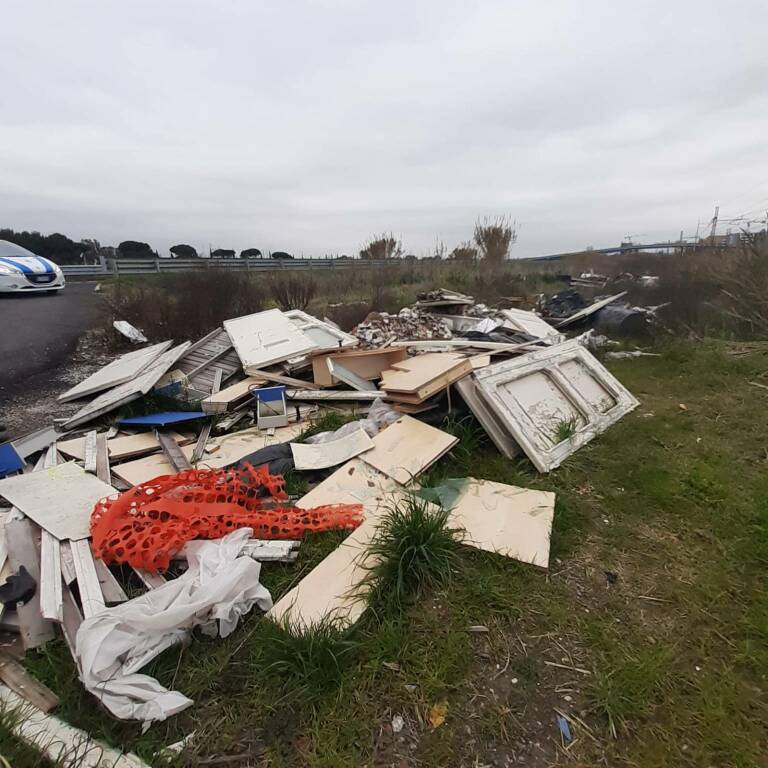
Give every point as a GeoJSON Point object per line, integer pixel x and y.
{"type": "Point", "coordinates": [413, 550]}
{"type": "Point", "coordinates": [564, 430]}
{"type": "Point", "coordinates": [309, 661]}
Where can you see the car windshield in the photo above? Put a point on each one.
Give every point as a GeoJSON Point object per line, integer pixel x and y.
{"type": "Point", "coordinates": [11, 250]}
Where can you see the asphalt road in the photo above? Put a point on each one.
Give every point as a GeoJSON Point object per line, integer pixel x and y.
{"type": "Point", "coordinates": [40, 332]}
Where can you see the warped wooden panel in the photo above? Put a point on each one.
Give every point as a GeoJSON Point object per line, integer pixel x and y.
{"type": "Point", "coordinates": [554, 401]}
{"type": "Point", "coordinates": [130, 390]}
{"type": "Point", "coordinates": [265, 338]}
{"type": "Point", "coordinates": [123, 369]}
{"type": "Point", "coordinates": [419, 378]}
{"type": "Point", "coordinates": [406, 448]}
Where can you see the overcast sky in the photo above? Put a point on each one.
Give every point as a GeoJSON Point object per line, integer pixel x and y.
{"type": "Point", "coordinates": [310, 126]}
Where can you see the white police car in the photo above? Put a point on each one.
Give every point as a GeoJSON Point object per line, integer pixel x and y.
{"type": "Point", "coordinates": [23, 272]}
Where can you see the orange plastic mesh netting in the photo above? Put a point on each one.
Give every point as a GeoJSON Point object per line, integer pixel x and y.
{"type": "Point", "coordinates": [147, 525]}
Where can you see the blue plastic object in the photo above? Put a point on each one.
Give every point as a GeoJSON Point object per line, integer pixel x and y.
{"type": "Point", "coordinates": [270, 394]}
{"type": "Point", "coordinates": [10, 461]}
{"type": "Point", "coordinates": [163, 419]}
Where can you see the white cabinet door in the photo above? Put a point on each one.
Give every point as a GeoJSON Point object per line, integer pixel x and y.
{"type": "Point", "coordinates": [554, 400]}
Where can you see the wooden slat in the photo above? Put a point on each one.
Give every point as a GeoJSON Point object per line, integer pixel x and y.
{"type": "Point", "coordinates": [67, 563]}
{"type": "Point", "coordinates": [87, 580]}
{"type": "Point", "coordinates": [205, 432]}
{"type": "Point", "coordinates": [20, 539]}
{"type": "Point", "coordinates": [72, 620]}
{"type": "Point", "coordinates": [19, 680]}
{"type": "Point", "coordinates": [110, 586]}
{"type": "Point", "coordinates": [102, 459]}
{"type": "Point", "coordinates": [172, 452]}
{"type": "Point", "coordinates": [50, 577]}
{"type": "Point", "coordinates": [90, 452]}
{"type": "Point", "coordinates": [150, 580]}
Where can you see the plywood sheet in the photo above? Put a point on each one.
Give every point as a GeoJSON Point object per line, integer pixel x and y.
{"type": "Point", "coordinates": [353, 483]}
{"type": "Point", "coordinates": [130, 390]}
{"type": "Point", "coordinates": [59, 499]}
{"type": "Point", "coordinates": [535, 395]}
{"type": "Point", "coordinates": [406, 448]}
{"type": "Point", "coordinates": [124, 368]}
{"type": "Point", "coordinates": [265, 338]}
{"type": "Point", "coordinates": [332, 452]}
{"type": "Point", "coordinates": [123, 447]}
{"type": "Point", "coordinates": [515, 522]}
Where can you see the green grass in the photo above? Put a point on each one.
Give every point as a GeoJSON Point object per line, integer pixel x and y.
{"type": "Point", "coordinates": [413, 550]}
{"type": "Point", "coordinates": [672, 653]}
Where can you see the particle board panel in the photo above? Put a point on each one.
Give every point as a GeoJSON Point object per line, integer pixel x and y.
{"type": "Point", "coordinates": [123, 369]}
{"type": "Point", "coordinates": [59, 498]}
{"type": "Point", "coordinates": [330, 453]}
{"type": "Point", "coordinates": [511, 521]}
{"type": "Point", "coordinates": [265, 338]}
{"type": "Point", "coordinates": [366, 363]}
{"type": "Point", "coordinates": [407, 447]}
{"type": "Point", "coordinates": [419, 378]}
{"type": "Point", "coordinates": [535, 394]}
{"type": "Point", "coordinates": [130, 390]}
{"type": "Point", "coordinates": [124, 447]}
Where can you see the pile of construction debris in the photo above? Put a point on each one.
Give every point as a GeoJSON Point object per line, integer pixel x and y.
{"type": "Point", "coordinates": [243, 397]}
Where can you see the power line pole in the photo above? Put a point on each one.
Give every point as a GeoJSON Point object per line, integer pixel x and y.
{"type": "Point", "coordinates": [714, 224]}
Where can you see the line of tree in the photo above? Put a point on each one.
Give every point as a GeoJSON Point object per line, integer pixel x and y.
{"type": "Point", "coordinates": [56, 246]}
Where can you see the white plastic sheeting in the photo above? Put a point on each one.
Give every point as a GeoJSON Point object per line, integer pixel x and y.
{"type": "Point", "coordinates": [115, 644]}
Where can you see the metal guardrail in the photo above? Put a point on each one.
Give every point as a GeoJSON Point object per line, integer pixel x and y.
{"type": "Point", "coordinates": [159, 266]}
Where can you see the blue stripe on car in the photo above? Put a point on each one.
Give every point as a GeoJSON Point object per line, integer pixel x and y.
{"type": "Point", "coordinates": [21, 267]}
{"type": "Point", "coordinates": [46, 264]}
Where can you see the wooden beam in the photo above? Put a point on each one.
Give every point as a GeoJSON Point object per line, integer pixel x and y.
{"type": "Point", "coordinates": [19, 680]}
{"type": "Point", "coordinates": [150, 580]}
{"type": "Point", "coordinates": [72, 620]}
{"type": "Point", "coordinates": [67, 563]}
{"type": "Point", "coordinates": [87, 579]}
{"type": "Point", "coordinates": [63, 744]}
{"type": "Point", "coordinates": [278, 378]}
{"type": "Point", "coordinates": [110, 586]}
{"type": "Point", "coordinates": [205, 432]}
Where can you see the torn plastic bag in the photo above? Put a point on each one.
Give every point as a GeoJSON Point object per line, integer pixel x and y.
{"type": "Point", "coordinates": [380, 415]}
{"type": "Point", "coordinates": [114, 645]}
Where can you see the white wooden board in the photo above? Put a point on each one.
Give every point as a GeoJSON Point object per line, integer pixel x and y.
{"type": "Point", "coordinates": [323, 335]}
{"type": "Point", "coordinates": [537, 394]}
{"type": "Point", "coordinates": [331, 453]}
{"type": "Point", "coordinates": [532, 324]}
{"type": "Point", "coordinates": [59, 499]}
{"type": "Point", "coordinates": [130, 390]}
{"type": "Point", "coordinates": [265, 338]}
{"type": "Point", "coordinates": [124, 368]}
{"type": "Point", "coordinates": [406, 448]}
